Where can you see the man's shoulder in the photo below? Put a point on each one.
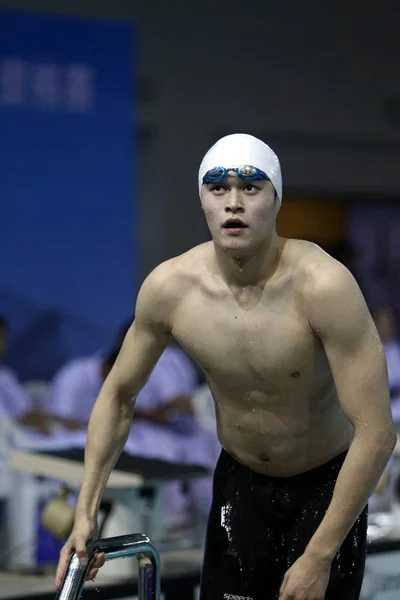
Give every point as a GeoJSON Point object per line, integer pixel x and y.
{"type": "Point", "coordinates": [315, 272]}
{"type": "Point", "coordinates": [179, 272]}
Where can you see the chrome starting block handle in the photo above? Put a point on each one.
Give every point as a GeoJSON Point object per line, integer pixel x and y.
{"type": "Point", "coordinates": [118, 547]}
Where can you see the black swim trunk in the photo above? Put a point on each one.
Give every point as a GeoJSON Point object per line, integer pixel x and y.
{"type": "Point", "coordinates": [260, 525]}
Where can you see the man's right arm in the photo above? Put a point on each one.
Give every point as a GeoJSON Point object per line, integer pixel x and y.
{"type": "Point", "coordinates": [112, 413]}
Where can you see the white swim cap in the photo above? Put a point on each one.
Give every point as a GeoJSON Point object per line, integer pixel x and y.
{"type": "Point", "coordinates": [241, 149]}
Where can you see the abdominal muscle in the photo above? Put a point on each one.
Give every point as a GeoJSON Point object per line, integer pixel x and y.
{"type": "Point", "coordinates": [283, 441]}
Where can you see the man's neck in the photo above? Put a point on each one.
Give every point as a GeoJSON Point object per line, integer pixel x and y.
{"type": "Point", "coordinates": [250, 270]}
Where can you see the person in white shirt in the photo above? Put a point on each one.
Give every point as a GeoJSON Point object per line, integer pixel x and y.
{"type": "Point", "coordinates": [164, 426]}
{"type": "Point", "coordinates": [14, 401]}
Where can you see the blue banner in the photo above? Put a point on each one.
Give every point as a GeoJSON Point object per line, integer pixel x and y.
{"type": "Point", "coordinates": [67, 247]}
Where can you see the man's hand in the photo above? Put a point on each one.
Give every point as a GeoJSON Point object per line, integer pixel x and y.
{"type": "Point", "coordinates": [307, 579]}
{"type": "Point", "coordinates": [72, 424]}
{"type": "Point", "coordinates": [83, 531]}
{"type": "Point", "coordinates": [182, 404]}
{"type": "Point", "coordinates": [158, 416]}
{"type": "Point", "coordinates": [37, 421]}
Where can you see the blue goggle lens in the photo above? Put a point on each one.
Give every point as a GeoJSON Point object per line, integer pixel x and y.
{"type": "Point", "coordinates": [246, 172]}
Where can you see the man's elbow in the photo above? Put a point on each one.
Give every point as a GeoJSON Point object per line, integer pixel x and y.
{"type": "Point", "coordinates": [125, 396]}
{"type": "Point", "coordinates": [392, 442]}
{"type": "Point", "coordinates": [118, 392]}
{"type": "Point", "coordinates": [386, 440]}
{"type": "Point", "coordinates": [382, 439]}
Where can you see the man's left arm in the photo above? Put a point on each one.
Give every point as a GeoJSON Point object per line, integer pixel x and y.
{"type": "Point", "coordinates": [339, 317]}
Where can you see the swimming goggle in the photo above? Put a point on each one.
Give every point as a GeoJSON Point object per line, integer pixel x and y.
{"type": "Point", "coordinates": [246, 172]}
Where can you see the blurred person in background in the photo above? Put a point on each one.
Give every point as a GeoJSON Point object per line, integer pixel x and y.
{"type": "Point", "coordinates": [164, 425]}
{"type": "Point", "coordinates": [14, 401]}
{"type": "Point", "coordinates": [75, 386]}
{"type": "Point", "coordinates": [385, 321]}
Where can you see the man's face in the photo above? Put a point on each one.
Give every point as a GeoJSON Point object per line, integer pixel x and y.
{"type": "Point", "coordinates": [3, 342]}
{"type": "Point", "coordinates": [240, 214]}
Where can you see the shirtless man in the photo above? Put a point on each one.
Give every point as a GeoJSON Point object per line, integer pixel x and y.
{"type": "Point", "coordinates": [299, 378]}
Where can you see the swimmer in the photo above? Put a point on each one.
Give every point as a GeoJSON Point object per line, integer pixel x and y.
{"type": "Point", "coordinates": [296, 367]}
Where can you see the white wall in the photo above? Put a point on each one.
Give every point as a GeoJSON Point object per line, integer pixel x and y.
{"type": "Point", "coordinates": [311, 78]}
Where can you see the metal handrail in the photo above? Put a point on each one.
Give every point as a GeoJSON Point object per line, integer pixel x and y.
{"type": "Point", "coordinates": [117, 547]}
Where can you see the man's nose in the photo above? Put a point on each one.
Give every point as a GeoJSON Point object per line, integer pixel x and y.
{"type": "Point", "coordinates": [234, 202]}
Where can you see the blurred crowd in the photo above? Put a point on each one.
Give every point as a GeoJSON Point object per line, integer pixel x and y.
{"type": "Point", "coordinates": [167, 424]}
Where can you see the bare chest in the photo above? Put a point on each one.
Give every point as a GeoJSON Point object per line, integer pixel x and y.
{"type": "Point", "coordinates": [260, 345]}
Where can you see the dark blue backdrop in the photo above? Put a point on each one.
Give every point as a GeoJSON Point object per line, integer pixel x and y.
{"type": "Point", "coordinates": [67, 245]}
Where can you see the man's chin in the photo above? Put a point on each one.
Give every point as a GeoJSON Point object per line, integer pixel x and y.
{"type": "Point", "coordinates": [234, 246]}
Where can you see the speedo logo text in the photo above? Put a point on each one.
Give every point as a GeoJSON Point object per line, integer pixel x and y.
{"type": "Point", "coordinates": [234, 597]}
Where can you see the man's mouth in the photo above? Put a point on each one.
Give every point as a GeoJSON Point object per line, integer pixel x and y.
{"type": "Point", "coordinates": [234, 224]}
